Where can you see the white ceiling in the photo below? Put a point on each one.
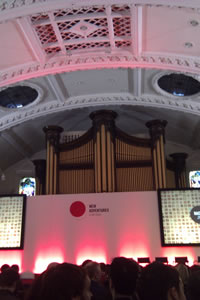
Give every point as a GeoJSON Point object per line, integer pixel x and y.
{"type": "Point", "coordinates": [83, 56]}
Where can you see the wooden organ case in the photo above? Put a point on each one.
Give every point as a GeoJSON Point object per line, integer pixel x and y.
{"type": "Point", "coordinates": [105, 159]}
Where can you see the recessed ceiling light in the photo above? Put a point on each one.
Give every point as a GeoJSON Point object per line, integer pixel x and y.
{"type": "Point", "coordinates": [194, 23]}
{"type": "Point", "coordinates": [188, 45]}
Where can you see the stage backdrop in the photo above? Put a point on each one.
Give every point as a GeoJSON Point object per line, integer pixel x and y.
{"type": "Point", "coordinates": [73, 228]}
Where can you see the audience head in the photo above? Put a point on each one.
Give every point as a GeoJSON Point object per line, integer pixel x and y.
{"type": "Point", "coordinates": [193, 286]}
{"type": "Point", "coordinates": [160, 282]}
{"type": "Point", "coordinates": [8, 279]}
{"type": "Point", "coordinates": [64, 281]}
{"type": "Point", "coordinates": [52, 265]}
{"type": "Point", "coordinates": [4, 267]}
{"type": "Point", "coordinates": [15, 268]}
{"type": "Point", "coordinates": [93, 270]}
{"type": "Point", "coordinates": [123, 276]}
{"type": "Point", "coordinates": [86, 262]}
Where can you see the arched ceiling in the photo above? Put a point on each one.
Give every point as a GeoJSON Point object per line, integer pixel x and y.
{"type": "Point", "coordinates": [86, 55]}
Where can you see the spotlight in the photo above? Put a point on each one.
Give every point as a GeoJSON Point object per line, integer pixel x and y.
{"type": "Point", "coordinates": [162, 259]}
{"type": "Point", "coordinates": [143, 260]}
{"type": "Point", "coordinates": [181, 260]}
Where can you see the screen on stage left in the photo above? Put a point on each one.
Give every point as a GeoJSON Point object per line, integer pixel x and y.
{"type": "Point", "coordinates": [179, 217]}
{"type": "Point", "coordinates": [12, 217]}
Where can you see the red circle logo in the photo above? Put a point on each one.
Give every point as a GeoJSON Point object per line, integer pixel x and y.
{"type": "Point", "coordinates": [77, 209]}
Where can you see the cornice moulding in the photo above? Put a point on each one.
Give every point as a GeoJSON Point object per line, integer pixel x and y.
{"type": "Point", "coordinates": [10, 9]}
{"type": "Point", "coordinates": [96, 100]}
{"type": "Point", "coordinates": [91, 62]}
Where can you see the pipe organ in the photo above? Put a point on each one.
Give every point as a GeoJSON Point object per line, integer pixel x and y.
{"type": "Point", "coordinates": [106, 159]}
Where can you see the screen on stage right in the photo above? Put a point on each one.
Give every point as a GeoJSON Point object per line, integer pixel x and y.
{"type": "Point", "coordinates": [179, 216]}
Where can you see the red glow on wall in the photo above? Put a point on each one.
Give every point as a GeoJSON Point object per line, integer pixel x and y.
{"type": "Point", "coordinates": [94, 254]}
{"type": "Point", "coordinates": [45, 258]}
{"type": "Point", "coordinates": [172, 252]}
{"type": "Point", "coordinates": [132, 251]}
{"type": "Point", "coordinates": [11, 258]}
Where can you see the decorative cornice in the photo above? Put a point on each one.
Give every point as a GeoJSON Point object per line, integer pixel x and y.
{"type": "Point", "coordinates": [96, 61]}
{"type": "Point", "coordinates": [26, 114]}
{"type": "Point", "coordinates": [39, 5]}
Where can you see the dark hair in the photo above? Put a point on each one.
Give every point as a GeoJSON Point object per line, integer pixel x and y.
{"type": "Point", "coordinates": [155, 281]}
{"type": "Point", "coordinates": [85, 262]}
{"type": "Point", "coordinates": [193, 286]}
{"type": "Point", "coordinates": [4, 267]}
{"type": "Point", "coordinates": [15, 268]}
{"type": "Point", "coordinates": [8, 278]}
{"type": "Point", "coordinates": [63, 281]}
{"type": "Point", "coordinates": [124, 274]}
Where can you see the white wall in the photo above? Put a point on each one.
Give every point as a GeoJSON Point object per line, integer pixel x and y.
{"type": "Point", "coordinates": [130, 228]}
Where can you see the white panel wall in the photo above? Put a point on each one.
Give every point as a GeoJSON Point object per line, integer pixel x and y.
{"type": "Point", "coordinates": [130, 228]}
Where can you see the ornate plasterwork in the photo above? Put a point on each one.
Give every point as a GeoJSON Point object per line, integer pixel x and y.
{"type": "Point", "coordinates": [95, 61]}
{"type": "Point", "coordinates": [13, 4]}
{"type": "Point", "coordinates": [39, 110]}
{"type": "Point", "coordinates": [166, 94]}
{"type": "Point", "coordinates": [30, 84]}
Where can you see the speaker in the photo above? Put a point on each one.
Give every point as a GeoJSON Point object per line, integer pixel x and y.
{"type": "Point", "coordinates": [161, 259]}
{"type": "Point", "coordinates": [181, 260]}
{"type": "Point", "coordinates": [144, 260]}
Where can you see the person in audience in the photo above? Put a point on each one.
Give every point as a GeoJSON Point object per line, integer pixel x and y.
{"type": "Point", "coordinates": [62, 282]}
{"type": "Point", "coordinates": [183, 272]}
{"type": "Point", "coordinates": [4, 267]}
{"type": "Point", "coordinates": [52, 265]}
{"type": "Point", "coordinates": [124, 274]}
{"type": "Point", "coordinates": [194, 268]}
{"type": "Point", "coordinates": [8, 281]}
{"type": "Point", "coordinates": [160, 282]}
{"type": "Point", "coordinates": [86, 262]}
{"type": "Point", "coordinates": [193, 286]}
{"type": "Point", "coordinates": [15, 268]}
{"type": "Point", "coordinates": [93, 270]}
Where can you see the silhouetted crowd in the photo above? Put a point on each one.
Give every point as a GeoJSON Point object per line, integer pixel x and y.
{"type": "Point", "coordinates": [123, 279]}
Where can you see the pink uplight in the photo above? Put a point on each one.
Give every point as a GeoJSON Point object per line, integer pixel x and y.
{"type": "Point", "coordinates": [11, 258]}
{"type": "Point", "coordinates": [42, 261]}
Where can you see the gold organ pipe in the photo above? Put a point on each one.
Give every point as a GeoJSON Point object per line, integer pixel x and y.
{"type": "Point", "coordinates": [51, 175]}
{"type": "Point", "coordinates": [98, 162]}
{"type": "Point", "coordinates": [113, 166]}
{"type": "Point", "coordinates": [159, 164]}
{"type": "Point", "coordinates": [109, 162]}
{"type": "Point", "coordinates": [163, 160]}
{"type": "Point", "coordinates": [96, 167]}
{"type": "Point", "coordinates": [47, 168]}
{"type": "Point", "coordinates": [55, 174]}
{"type": "Point", "coordinates": [155, 168]}
{"type": "Point", "coordinates": [103, 157]}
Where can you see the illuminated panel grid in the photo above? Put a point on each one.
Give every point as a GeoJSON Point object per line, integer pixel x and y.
{"type": "Point", "coordinates": [178, 226]}
{"type": "Point", "coordinates": [11, 216]}
{"type": "Point", "coordinates": [82, 28]}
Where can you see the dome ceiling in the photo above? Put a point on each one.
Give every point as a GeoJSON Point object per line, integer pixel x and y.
{"type": "Point", "coordinates": [88, 55]}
